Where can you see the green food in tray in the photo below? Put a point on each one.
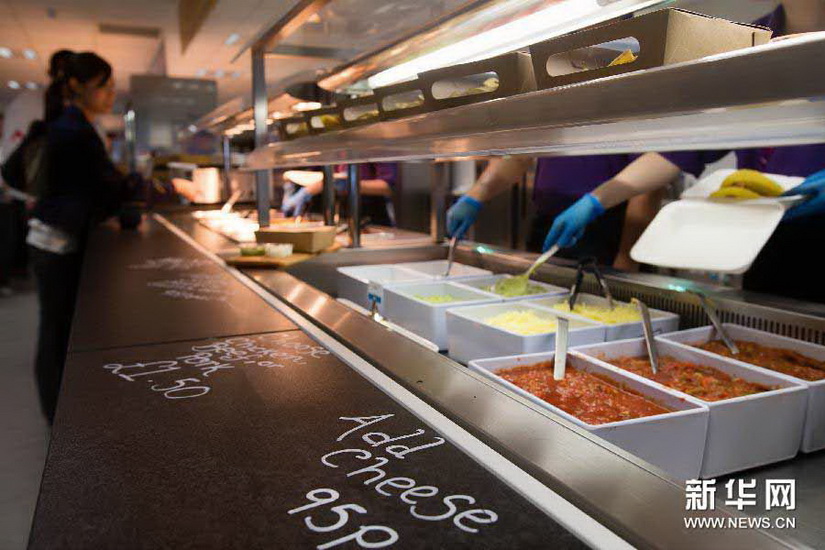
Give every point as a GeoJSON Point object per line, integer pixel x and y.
{"type": "Point", "coordinates": [515, 290]}
{"type": "Point", "coordinates": [253, 251]}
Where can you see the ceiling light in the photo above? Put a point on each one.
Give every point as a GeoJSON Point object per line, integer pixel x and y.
{"type": "Point", "coordinates": [31, 85]}
{"type": "Point", "coordinates": [14, 85]}
{"type": "Point", "coordinates": [219, 73]}
{"type": "Point", "coordinates": [555, 20]}
{"type": "Point", "coordinates": [232, 38]}
{"type": "Point", "coordinates": [200, 73]}
{"type": "Point", "coordinates": [29, 53]}
{"type": "Point", "coordinates": [193, 128]}
{"type": "Point", "coordinates": [5, 52]}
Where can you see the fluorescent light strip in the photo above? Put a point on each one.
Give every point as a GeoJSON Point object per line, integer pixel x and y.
{"type": "Point", "coordinates": [556, 20]}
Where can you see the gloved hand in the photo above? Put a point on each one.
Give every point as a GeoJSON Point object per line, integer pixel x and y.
{"type": "Point", "coordinates": [814, 188]}
{"type": "Point", "coordinates": [461, 216]}
{"type": "Point", "coordinates": [296, 203]}
{"type": "Point", "coordinates": [569, 226]}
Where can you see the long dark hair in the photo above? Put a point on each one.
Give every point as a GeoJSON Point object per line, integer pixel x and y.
{"type": "Point", "coordinates": [65, 64]}
{"type": "Point", "coordinates": [56, 92]}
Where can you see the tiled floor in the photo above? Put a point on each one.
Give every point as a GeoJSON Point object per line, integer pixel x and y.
{"type": "Point", "coordinates": [23, 432]}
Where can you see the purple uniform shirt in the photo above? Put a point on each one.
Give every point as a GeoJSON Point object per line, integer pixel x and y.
{"type": "Point", "coordinates": [560, 181]}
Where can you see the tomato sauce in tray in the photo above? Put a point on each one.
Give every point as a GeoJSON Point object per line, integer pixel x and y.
{"type": "Point", "coordinates": [776, 359]}
{"type": "Point", "coordinates": [699, 381]}
{"type": "Point", "coordinates": [589, 397]}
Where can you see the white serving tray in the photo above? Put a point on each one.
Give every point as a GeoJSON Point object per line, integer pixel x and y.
{"type": "Point", "coordinates": [480, 283]}
{"type": "Point", "coordinates": [712, 182]}
{"type": "Point", "coordinates": [435, 269]}
{"type": "Point", "coordinates": [744, 432]}
{"type": "Point", "coordinates": [470, 337]}
{"type": "Point", "coordinates": [662, 321]}
{"type": "Point", "coordinates": [354, 282]}
{"type": "Point", "coordinates": [813, 438]}
{"type": "Point", "coordinates": [708, 235]}
{"type": "Point", "coordinates": [674, 442]}
{"type": "Point", "coordinates": [423, 318]}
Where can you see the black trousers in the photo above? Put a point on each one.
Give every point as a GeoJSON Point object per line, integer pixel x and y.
{"type": "Point", "coordinates": [7, 240]}
{"type": "Point", "coordinates": [57, 277]}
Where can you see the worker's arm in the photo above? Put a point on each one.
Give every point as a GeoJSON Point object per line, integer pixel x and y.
{"type": "Point", "coordinates": [499, 176]}
{"type": "Point", "coordinates": [640, 212]}
{"type": "Point", "coordinates": [647, 173]}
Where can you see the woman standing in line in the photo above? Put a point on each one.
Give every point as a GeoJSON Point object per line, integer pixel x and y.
{"type": "Point", "coordinates": [81, 188]}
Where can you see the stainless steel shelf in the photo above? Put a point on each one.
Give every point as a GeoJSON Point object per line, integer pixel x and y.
{"type": "Point", "coordinates": [766, 96]}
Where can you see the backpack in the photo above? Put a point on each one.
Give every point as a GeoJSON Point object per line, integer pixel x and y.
{"type": "Point", "coordinates": [25, 169]}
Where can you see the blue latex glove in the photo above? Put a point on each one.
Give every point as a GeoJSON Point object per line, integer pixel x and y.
{"type": "Point", "coordinates": [296, 203]}
{"type": "Point", "coordinates": [569, 226]}
{"type": "Point", "coordinates": [461, 216]}
{"type": "Point", "coordinates": [814, 188]}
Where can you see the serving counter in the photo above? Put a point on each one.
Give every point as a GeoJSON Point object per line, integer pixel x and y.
{"type": "Point", "coordinates": [267, 414]}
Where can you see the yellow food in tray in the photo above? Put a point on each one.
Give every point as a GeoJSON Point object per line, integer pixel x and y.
{"type": "Point", "coordinates": [525, 322]}
{"type": "Point", "coordinates": [747, 184]}
{"type": "Point", "coordinates": [330, 121]}
{"type": "Point", "coordinates": [489, 85]}
{"type": "Point", "coordinates": [368, 115]}
{"type": "Point", "coordinates": [621, 313]}
{"type": "Point", "coordinates": [624, 58]}
{"type": "Point", "coordinates": [439, 298]}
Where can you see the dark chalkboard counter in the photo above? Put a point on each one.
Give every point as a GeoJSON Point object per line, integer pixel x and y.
{"type": "Point", "coordinates": [148, 286]}
{"type": "Point", "coordinates": [264, 441]}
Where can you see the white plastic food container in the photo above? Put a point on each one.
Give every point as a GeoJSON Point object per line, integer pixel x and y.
{"type": "Point", "coordinates": [436, 269]}
{"type": "Point", "coordinates": [470, 337]}
{"type": "Point", "coordinates": [674, 442]}
{"type": "Point", "coordinates": [482, 283]}
{"type": "Point", "coordinates": [743, 432]}
{"type": "Point", "coordinates": [662, 321]}
{"type": "Point", "coordinates": [354, 282]}
{"type": "Point", "coordinates": [708, 236]}
{"type": "Point", "coordinates": [427, 319]}
{"type": "Point", "coordinates": [813, 438]}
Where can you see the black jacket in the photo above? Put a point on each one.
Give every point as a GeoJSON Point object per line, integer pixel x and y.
{"type": "Point", "coordinates": [82, 185]}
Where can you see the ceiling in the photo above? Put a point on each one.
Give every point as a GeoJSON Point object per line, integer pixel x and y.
{"type": "Point", "coordinates": [46, 26]}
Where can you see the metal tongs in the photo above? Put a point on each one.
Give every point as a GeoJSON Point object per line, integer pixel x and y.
{"type": "Point", "coordinates": [451, 255]}
{"type": "Point", "coordinates": [710, 311]}
{"type": "Point", "coordinates": [576, 288]}
{"type": "Point", "coordinates": [650, 340]}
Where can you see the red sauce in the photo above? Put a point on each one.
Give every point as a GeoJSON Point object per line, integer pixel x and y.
{"type": "Point", "coordinates": [776, 359]}
{"type": "Point", "coordinates": [699, 381]}
{"type": "Point", "coordinates": [589, 397]}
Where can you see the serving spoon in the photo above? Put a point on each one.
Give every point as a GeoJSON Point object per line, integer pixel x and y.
{"type": "Point", "coordinates": [515, 286]}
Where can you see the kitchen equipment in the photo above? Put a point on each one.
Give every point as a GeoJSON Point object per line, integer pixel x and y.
{"type": "Point", "coordinates": [650, 341]}
{"type": "Point", "coordinates": [450, 255]}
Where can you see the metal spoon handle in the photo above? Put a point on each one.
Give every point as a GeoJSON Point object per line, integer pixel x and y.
{"type": "Point", "coordinates": [541, 259]}
{"type": "Point", "coordinates": [717, 323]}
{"type": "Point", "coordinates": [562, 338]}
{"type": "Point", "coordinates": [650, 341]}
{"type": "Point", "coordinates": [451, 255]}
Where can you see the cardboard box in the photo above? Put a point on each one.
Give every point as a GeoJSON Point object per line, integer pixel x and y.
{"type": "Point", "coordinates": [293, 127]}
{"type": "Point", "coordinates": [359, 111]}
{"type": "Point", "coordinates": [660, 38]}
{"type": "Point", "coordinates": [449, 86]}
{"type": "Point", "coordinates": [401, 100]}
{"type": "Point", "coordinates": [302, 239]}
{"type": "Point", "coordinates": [323, 120]}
